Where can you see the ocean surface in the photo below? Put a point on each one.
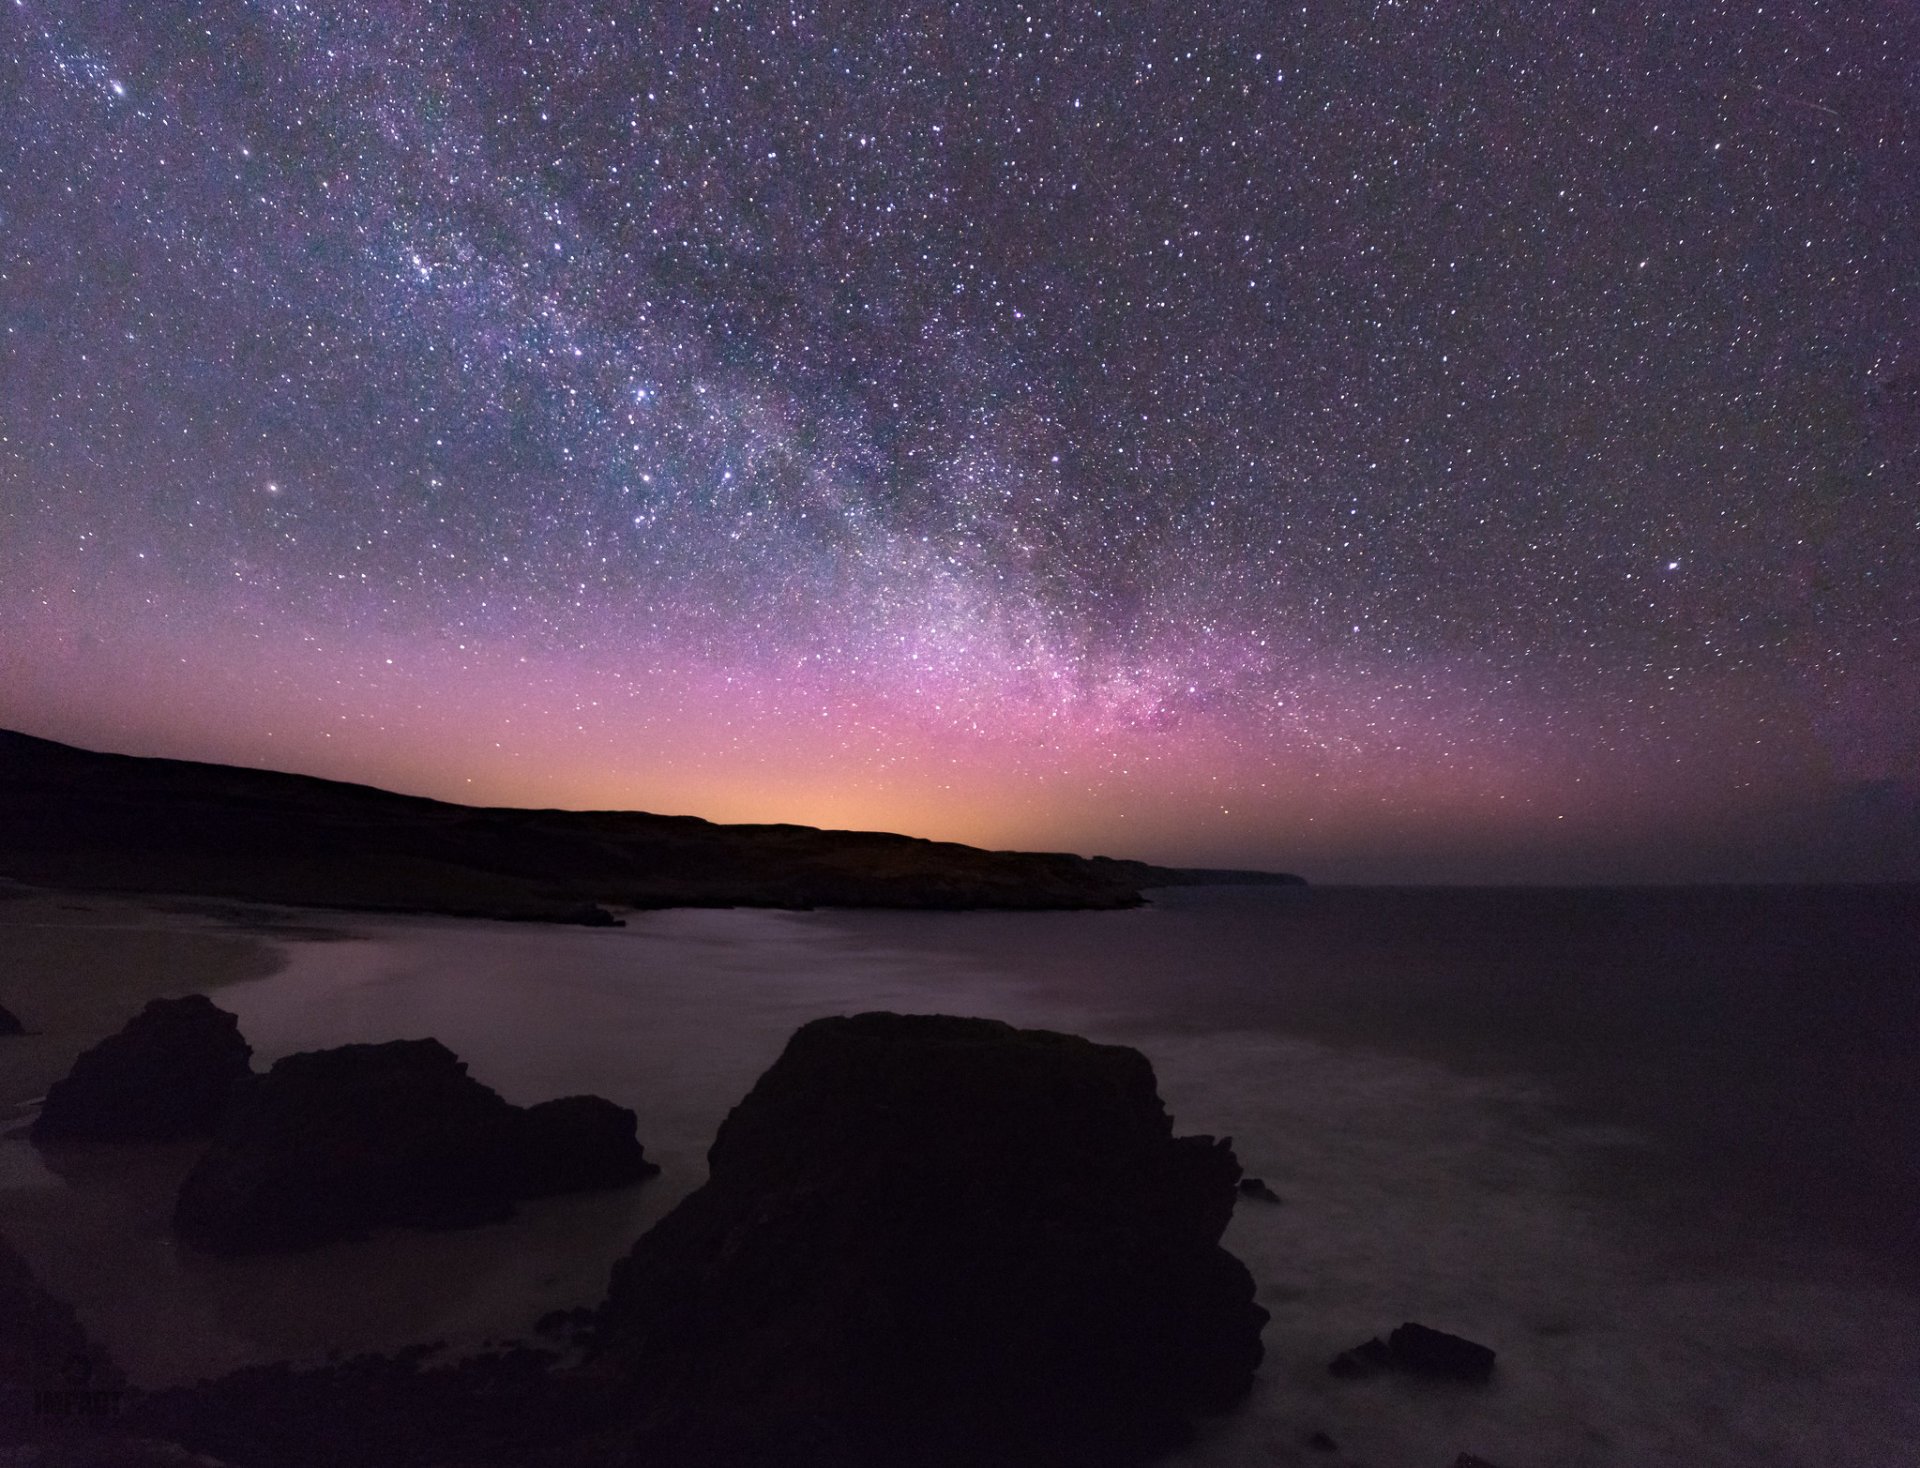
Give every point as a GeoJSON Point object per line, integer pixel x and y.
{"type": "Point", "coordinates": [1660, 1148]}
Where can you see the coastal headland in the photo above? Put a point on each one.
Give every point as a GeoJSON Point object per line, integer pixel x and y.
{"type": "Point", "coordinates": [108, 822]}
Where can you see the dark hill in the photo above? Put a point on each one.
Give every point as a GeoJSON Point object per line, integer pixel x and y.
{"type": "Point", "coordinates": [74, 818]}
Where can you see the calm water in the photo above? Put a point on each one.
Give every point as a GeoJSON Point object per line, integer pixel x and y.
{"type": "Point", "coordinates": [1658, 1148]}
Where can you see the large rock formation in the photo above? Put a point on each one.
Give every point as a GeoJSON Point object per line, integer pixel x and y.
{"type": "Point", "coordinates": [572, 1144]}
{"type": "Point", "coordinates": [331, 1143]}
{"type": "Point", "coordinates": [167, 1074]}
{"type": "Point", "coordinates": [940, 1241]}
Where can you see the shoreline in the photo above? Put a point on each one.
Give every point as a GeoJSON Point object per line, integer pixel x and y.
{"type": "Point", "coordinates": [79, 965]}
{"type": "Point", "coordinates": [1412, 1188]}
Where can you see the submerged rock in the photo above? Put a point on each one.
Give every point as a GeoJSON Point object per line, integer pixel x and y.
{"type": "Point", "coordinates": [167, 1074]}
{"type": "Point", "coordinates": [941, 1241]}
{"type": "Point", "coordinates": [331, 1143]}
{"type": "Point", "coordinates": [1419, 1350]}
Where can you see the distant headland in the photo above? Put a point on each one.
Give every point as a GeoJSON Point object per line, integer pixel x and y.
{"type": "Point", "coordinates": [112, 822]}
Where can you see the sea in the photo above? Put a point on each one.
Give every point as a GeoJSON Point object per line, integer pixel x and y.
{"type": "Point", "coordinates": [1658, 1147]}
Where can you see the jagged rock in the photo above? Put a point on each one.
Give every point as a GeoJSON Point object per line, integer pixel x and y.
{"type": "Point", "coordinates": [942, 1241]}
{"type": "Point", "coordinates": [1428, 1352]}
{"type": "Point", "coordinates": [167, 1074]}
{"type": "Point", "coordinates": [576, 1143]}
{"type": "Point", "coordinates": [331, 1143]}
{"type": "Point", "coordinates": [10, 1022]}
{"type": "Point", "coordinates": [1420, 1351]}
{"type": "Point", "coordinates": [1257, 1189]}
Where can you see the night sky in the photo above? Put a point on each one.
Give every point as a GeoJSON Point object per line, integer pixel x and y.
{"type": "Point", "coordinates": [1423, 441]}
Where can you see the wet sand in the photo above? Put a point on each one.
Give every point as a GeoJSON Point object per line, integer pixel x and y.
{"type": "Point", "coordinates": [76, 967]}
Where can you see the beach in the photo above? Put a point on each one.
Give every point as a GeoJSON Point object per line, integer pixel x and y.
{"type": "Point", "coordinates": [77, 966]}
{"type": "Point", "coordinates": [1488, 1190]}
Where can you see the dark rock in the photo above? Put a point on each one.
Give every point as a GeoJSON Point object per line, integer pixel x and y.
{"type": "Point", "coordinates": [1256, 1188]}
{"type": "Point", "coordinates": [590, 915]}
{"type": "Point", "coordinates": [1420, 1351]}
{"type": "Point", "coordinates": [167, 1074]}
{"type": "Point", "coordinates": [1144, 875]}
{"type": "Point", "coordinates": [1427, 1352]}
{"type": "Point", "coordinates": [60, 1392]}
{"type": "Point", "coordinates": [577, 1143]}
{"type": "Point", "coordinates": [334, 1142]}
{"type": "Point", "coordinates": [10, 1022]}
{"type": "Point", "coordinates": [1367, 1359]}
{"type": "Point", "coordinates": [499, 1410]}
{"type": "Point", "coordinates": [1321, 1443]}
{"type": "Point", "coordinates": [42, 1345]}
{"type": "Point", "coordinates": [942, 1241]}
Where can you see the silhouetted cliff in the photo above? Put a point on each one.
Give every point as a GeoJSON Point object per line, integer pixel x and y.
{"type": "Point", "coordinates": [72, 817]}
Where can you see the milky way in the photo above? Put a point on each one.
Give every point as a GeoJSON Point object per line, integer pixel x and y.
{"type": "Point", "coordinates": [1391, 439]}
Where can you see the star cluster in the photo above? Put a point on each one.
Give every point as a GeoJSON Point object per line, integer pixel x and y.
{"type": "Point", "coordinates": [1395, 439]}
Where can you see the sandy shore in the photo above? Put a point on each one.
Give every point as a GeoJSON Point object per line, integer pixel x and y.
{"type": "Point", "coordinates": [90, 1222]}
{"type": "Point", "coordinates": [75, 967]}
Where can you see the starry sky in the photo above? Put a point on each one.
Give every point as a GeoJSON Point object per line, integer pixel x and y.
{"type": "Point", "coordinates": [1393, 441]}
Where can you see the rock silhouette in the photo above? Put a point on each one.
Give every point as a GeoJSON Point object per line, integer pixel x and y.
{"type": "Point", "coordinates": [42, 1346]}
{"type": "Point", "coordinates": [1428, 1352]}
{"type": "Point", "coordinates": [73, 817]}
{"type": "Point", "coordinates": [573, 1144]}
{"type": "Point", "coordinates": [1419, 1350]}
{"type": "Point", "coordinates": [942, 1241]}
{"type": "Point", "coordinates": [331, 1143]}
{"type": "Point", "coordinates": [10, 1022]}
{"type": "Point", "coordinates": [167, 1074]}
